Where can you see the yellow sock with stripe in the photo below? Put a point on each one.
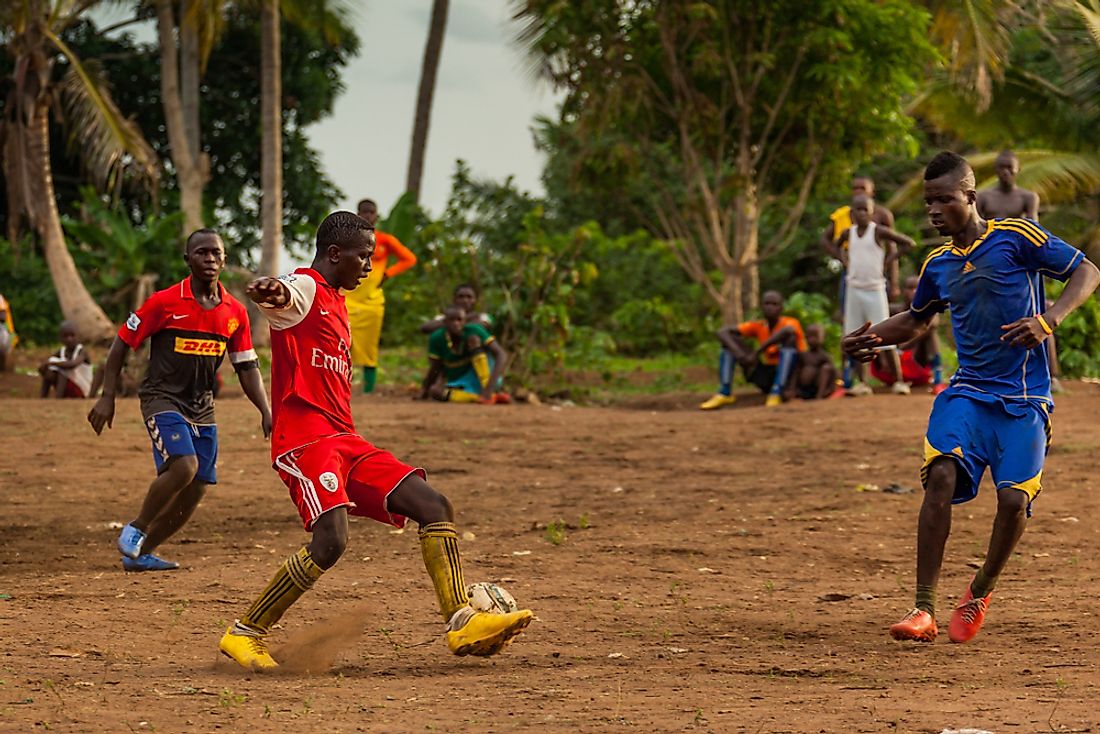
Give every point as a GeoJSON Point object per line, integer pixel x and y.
{"type": "Point", "coordinates": [295, 577]}
{"type": "Point", "coordinates": [439, 546]}
{"type": "Point", "coordinates": [480, 362]}
{"type": "Point", "coordinates": [461, 396]}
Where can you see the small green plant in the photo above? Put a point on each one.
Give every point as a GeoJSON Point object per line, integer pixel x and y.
{"type": "Point", "coordinates": [583, 523]}
{"type": "Point", "coordinates": [555, 532]}
{"type": "Point", "coordinates": [228, 699]}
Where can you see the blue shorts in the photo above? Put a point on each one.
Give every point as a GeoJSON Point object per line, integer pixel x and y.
{"type": "Point", "coordinates": [469, 381]}
{"type": "Point", "coordinates": [980, 430]}
{"type": "Point", "coordinates": [174, 435]}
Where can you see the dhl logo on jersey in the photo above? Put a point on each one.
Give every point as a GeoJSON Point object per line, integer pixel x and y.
{"type": "Point", "coordinates": [201, 347]}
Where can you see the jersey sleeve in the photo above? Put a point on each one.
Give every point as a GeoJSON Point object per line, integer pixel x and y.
{"type": "Point", "coordinates": [750, 330]}
{"type": "Point", "coordinates": [241, 354]}
{"type": "Point", "coordinates": [437, 343]}
{"type": "Point", "coordinates": [405, 257]}
{"type": "Point", "coordinates": [143, 323]}
{"type": "Point", "coordinates": [480, 332]}
{"type": "Point", "coordinates": [1041, 251]}
{"type": "Point", "coordinates": [303, 291]}
{"type": "Point", "coordinates": [929, 299]}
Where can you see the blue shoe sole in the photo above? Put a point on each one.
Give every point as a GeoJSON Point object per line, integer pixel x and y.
{"type": "Point", "coordinates": [157, 564]}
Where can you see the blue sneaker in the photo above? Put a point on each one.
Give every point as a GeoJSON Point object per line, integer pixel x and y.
{"type": "Point", "coordinates": [130, 540]}
{"type": "Point", "coordinates": [147, 562]}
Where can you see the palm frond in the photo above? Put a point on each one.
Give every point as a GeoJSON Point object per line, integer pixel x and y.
{"type": "Point", "coordinates": [332, 19]}
{"type": "Point", "coordinates": [974, 36]}
{"type": "Point", "coordinates": [1055, 175]}
{"type": "Point", "coordinates": [109, 143]}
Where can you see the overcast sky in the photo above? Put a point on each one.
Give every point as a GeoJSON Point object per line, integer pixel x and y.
{"type": "Point", "coordinates": [482, 113]}
{"type": "Point", "coordinates": [485, 102]}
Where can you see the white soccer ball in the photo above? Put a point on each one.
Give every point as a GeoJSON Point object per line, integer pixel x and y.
{"type": "Point", "coordinates": [487, 597]}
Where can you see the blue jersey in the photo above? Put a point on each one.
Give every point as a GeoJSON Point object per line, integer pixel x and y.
{"type": "Point", "coordinates": [995, 281]}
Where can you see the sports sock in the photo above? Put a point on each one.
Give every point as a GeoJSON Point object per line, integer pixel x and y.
{"type": "Point", "coordinates": [370, 376]}
{"type": "Point", "coordinates": [439, 546]}
{"type": "Point", "coordinates": [847, 374]}
{"type": "Point", "coordinates": [295, 577]}
{"type": "Point", "coordinates": [937, 369]}
{"type": "Point", "coordinates": [725, 372]}
{"type": "Point", "coordinates": [926, 599]}
{"type": "Point", "coordinates": [455, 395]}
{"type": "Point", "coordinates": [787, 356]}
{"type": "Point", "coordinates": [480, 362]}
{"type": "Point", "coordinates": [982, 584]}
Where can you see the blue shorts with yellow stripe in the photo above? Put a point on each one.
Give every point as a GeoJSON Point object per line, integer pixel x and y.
{"type": "Point", "coordinates": [980, 430]}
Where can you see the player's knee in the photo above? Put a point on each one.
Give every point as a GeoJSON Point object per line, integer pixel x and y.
{"type": "Point", "coordinates": [1012, 500]}
{"type": "Point", "coordinates": [327, 547]}
{"type": "Point", "coordinates": [184, 468]}
{"type": "Point", "coordinates": [942, 478]}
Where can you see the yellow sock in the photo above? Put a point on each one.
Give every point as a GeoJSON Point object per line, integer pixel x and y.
{"type": "Point", "coordinates": [480, 363]}
{"type": "Point", "coordinates": [439, 546]}
{"type": "Point", "coordinates": [461, 396]}
{"type": "Point", "coordinates": [295, 577]}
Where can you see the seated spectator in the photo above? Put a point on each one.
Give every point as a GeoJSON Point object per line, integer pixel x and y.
{"type": "Point", "coordinates": [465, 297]}
{"type": "Point", "coordinates": [466, 365]}
{"type": "Point", "coordinates": [778, 339]}
{"type": "Point", "coordinates": [8, 338]}
{"type": "Point", "coordinates": [69, 372]}
{"type": "Point", "coordinates": [921, 364]}
{"type": "Point", "coordinates": [814, 375]}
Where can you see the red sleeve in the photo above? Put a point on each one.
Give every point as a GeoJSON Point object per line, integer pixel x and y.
{"type": "Point", "coordinates": [144, 322]}
{"type": "Point", "coordinates": [240, 341]}
{"type": "Point", "coordinates": [750, 330]}
{"type": "Point", "coordinates": [405, 257]}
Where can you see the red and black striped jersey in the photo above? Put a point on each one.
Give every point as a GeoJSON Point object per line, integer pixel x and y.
{"type": "Point", "coordinates": [187, 345]}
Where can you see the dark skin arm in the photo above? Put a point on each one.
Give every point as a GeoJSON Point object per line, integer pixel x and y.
{"type": "Point", "coordinates": [68, 365]}
{"type": "Point", "coordinates": [1028, 332]}
{"type": "Point", "coordinates": [1032, 212]}
{"type": "Point", "coordinates": [430, 327]}
{"type": "Point", "coordinates": [103, 412]}
{"type": "Point", "coordinates": [827, 243]}
{"type": "Point", "coordinates": [435, 369]}
{"type": "Point", "coordinates": [899, 329]}
{"type": "Point", "coordinates": [731, 339]}
{"type": "Point", "coordinates": [500, 360]}
{"type": "Point", "coordinates": [268, 290]}
{"type": "Point", "coordinates": [252, 382]}
{"type": "Point", "coordinates": [841, 248]}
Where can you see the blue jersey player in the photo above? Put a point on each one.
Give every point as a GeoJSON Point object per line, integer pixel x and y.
{"type": "Point", "coordinates": [996, 411]}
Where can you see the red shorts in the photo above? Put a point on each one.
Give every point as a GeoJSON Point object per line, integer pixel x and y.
{"type": "Point", "coordinates": [343, 471]}
{"type": "Point", "coordinates": [72, 390]}
{"type": "Point", "coordinates": [912, 371]}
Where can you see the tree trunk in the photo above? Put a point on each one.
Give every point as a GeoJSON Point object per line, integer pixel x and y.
{"type": "Point", "coordinates": [188, 175]}
{"type": "Point", "coordinates": [77, 305]}
{"type": "Point", "coordinates": [428, 72]}
{"type": "Point", "coordinates": [190, 76]}
{"type": "Point", "coordinates": [271, 161]}
{"type": "Point", "coordinates": [750, 297]}
{"type": "Point", "coordinates": [730, 291]}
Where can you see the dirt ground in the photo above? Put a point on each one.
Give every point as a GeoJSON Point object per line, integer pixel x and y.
{"type": "Point", "coordinates": [714, 573]}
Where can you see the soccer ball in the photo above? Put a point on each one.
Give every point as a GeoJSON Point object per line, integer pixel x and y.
{"type": "Point", "coordinates": [487, 597]}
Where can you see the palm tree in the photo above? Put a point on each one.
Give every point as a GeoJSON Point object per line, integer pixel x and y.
{"type": "Point", "coordinates": [429, 69]}
{"type": "Point", "coordinates": [31, 31]}
{"type": "Point", "coordinates": [271, 141]}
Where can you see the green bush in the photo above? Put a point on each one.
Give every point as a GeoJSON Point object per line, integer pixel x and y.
{"type": "Point", "coordinates": [28, 288]}
{"type": "Point", "coordinates": [1078, 348]}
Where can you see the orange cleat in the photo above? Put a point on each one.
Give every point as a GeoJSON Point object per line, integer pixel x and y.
{"type": "Point", "coordinates": [938, 388]}
{"type": "Point", "coordinates": [917, 625]}
{"type": "Point", "coordinates": [967, 619]}
{"type": "Point", "coordinates": [502, 398]}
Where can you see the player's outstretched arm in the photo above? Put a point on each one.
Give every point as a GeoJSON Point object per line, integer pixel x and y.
{"type": "Point", "coordinates": [103, 412]}
{"type": "Point", "coordinates": [270, 291]}
{"type": "Point", "coordinates": [862, 342]}
{"type": "Point", "coordinates": [1031, 331]}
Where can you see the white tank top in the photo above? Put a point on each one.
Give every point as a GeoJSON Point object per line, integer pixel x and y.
{"type": "Point", "coordinates": [866, 260]}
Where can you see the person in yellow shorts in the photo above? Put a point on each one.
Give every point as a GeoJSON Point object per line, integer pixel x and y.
{"type": "Point", "coordinates": [367, 303]}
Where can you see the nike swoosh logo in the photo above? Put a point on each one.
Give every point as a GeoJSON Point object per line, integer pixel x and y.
{"type": "Point", "coordinates": [179, 316]}
{"type": "Point", "coordinates": [323, 312]}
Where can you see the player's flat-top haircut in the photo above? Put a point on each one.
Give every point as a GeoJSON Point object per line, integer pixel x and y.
{"type": "Point", "coordinates": [340, 228]}
{"type": "Point", "coordinates": [200, 233]}
{"type": "Point", "coordinates": [947, 162]}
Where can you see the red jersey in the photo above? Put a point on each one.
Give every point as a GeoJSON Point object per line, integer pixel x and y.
{"type": "Point", "coordinates": [310, 363]}
{"type": "Point", "coordinates": [187, 345]}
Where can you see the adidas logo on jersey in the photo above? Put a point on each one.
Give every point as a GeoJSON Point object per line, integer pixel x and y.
{"type": "Point", "coordinates": [969, 267]}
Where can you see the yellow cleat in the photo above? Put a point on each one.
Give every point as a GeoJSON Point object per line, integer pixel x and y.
{"type": "Point", "coordinates": [249, 651]}
{"type": "Point", "coordinates": [486, 634]}
{"type": "Point", "coordinates": [773, 400]}
{"type": "Point", "coordinates": [718, 401]}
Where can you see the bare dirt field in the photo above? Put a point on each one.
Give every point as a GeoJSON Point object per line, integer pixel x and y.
{"type": "Point", "coordinates": [714, 573]}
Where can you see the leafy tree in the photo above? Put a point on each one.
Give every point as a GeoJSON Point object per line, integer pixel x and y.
{"type": "Point", "coordinates": [711, 112]}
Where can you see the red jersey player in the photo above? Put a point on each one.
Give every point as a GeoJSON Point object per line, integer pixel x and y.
{"type": "Point", "coordinates": [330, 469]}
{"type": "Point", "coordinates": [191, 326]}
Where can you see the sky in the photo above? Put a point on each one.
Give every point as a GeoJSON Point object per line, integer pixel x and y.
{"type": "Point", "coordinates": [484, 108]}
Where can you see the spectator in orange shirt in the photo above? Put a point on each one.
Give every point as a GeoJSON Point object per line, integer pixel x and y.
{"type": "Point", "coordinates": [367, 303]}
{"type": "Point", "coordinates": [779, 339]}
